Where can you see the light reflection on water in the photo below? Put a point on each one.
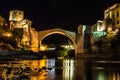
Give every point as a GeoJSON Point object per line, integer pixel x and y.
{"type": "Point", "coordinates": [63, 69]}
{"type": "Point", "coordinates": [102, 70]}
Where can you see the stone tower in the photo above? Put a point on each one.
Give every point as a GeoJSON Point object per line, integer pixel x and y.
{"type": "Point", "coordinates": [16, 15]}
{"type": "Point", "coordinates": [80, 39]}
{"type": "Point", "coordinates": [15, 18]}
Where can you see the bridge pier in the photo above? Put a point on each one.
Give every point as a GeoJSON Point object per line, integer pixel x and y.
{"type": "Point", "coordinates": [80, 42]}
{"type": "Point", "coordinates": [79, 53]}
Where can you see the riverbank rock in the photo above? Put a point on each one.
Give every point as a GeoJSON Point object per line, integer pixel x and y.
{"type": "Point", "coordinates": [19, 55]}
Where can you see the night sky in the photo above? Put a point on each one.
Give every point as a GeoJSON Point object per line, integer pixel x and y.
{"type": "Point", "coordinates": [66, 14]}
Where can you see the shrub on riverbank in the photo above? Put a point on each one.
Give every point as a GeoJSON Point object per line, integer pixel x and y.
{"type": "Point", "coordinates": [4, 46]}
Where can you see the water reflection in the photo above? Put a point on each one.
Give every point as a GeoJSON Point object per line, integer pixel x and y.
{"type": "Point", "coordinates": [106, 75]}
{"type": "Point", "coordinates": [102, 70]}
{"type": "Point", "coordinates": [68, 69]}
{"type": "Point", "coordinates": [62, 69]}
{"type": "Point", "coordinates": [45, 69]}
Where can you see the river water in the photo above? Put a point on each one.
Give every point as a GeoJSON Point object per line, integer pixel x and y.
{"type": "Point", "coordinates": [60, 69]}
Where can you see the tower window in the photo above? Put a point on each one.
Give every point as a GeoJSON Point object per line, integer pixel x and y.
{"type": "Point", "coordinates": [20, 13]}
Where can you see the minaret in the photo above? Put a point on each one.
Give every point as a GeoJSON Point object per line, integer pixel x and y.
{"type": "Point", "coordinates": [15, 16]}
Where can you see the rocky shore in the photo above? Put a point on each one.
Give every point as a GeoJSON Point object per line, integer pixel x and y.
{"type": "Point", "coordinates": [20, 55]}
{"type": "Point", "coordinates": [30, 55]}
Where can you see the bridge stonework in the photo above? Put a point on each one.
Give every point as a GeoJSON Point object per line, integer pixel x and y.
{"type": "Point", "coordinates": [76, 38]}
{"type": "Point", "coordinates": [45, 33]}
{"type": "Point", "coordinates": [80, 41]}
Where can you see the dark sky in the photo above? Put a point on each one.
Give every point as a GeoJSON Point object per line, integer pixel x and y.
{"type": "Point", "coordinates": [66, 14]}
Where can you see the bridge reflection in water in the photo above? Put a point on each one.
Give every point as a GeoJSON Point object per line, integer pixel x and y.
{"type": "Point", "coordinates": [63, 69]}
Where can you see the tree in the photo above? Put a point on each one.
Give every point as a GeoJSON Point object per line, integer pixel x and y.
{"type": "Point", "coordinates": [9, 40]}
{"type": "Point", "coordinates": [115, 43]}
{"type": "Point", "coordinates": [18, 34]}
{"type": "Point", "coordinates": [3, 25]}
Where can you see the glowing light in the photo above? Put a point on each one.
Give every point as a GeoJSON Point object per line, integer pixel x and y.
{"type": "Point", "coordinates": [109, 29]}
{"type": "Point", "coordinates": [51, 48]}
{"type": "Point", "coordinates": [69, 47]}
{"type": "Point", "coordinates": [7, 34]}
{"type": "Point", "coordinates": [43, 48]}
{"type": "Point", "coordinates": [116, 31]}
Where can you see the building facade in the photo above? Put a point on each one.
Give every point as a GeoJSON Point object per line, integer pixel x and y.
{"type": "Point", "coordinates": [18, 22]}
{"type": "Point", "coordinates": [109, 24]}
{"type": "Point", "coordinates": [112, 16]}
{"type": "Point", "coordinates": [98, 30]}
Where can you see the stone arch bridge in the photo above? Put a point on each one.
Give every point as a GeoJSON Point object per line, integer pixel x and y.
{"type": "Point", "coordinates": [36, 37]}
{"type": "Point", "coordinates": [68, 34]}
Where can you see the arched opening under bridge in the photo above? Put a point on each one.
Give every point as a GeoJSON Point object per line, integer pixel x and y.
{"type": "Point", "coordinates": [59, 33]}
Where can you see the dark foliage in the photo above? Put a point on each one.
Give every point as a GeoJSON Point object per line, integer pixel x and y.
{"type": "Point", "coordinates": [9, 40]}
{"type": "Point", "coordinates": [18, 33]}
{"type": "Point", "coordinates": [115, 43]}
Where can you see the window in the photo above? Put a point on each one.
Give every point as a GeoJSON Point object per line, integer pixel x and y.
{"type": "Point", "coordinates": [113, 23]}
{"type": "Point", "coordinates": [20, 13]}
{"type": "Point", "coordinates": [117, 14]}
{"type": "Point", "coordinates": [117, 21]}
{"type": "Point", "coordinates": [113, 16]}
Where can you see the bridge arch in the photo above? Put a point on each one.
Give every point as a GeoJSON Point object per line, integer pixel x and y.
{"type": "Point", "coordinates": [70, 35]}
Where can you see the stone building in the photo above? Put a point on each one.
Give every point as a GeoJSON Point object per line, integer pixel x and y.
{"type": "Point", "coordinates": [98, 29]}
{"type": "Point", "coordinates": [109, 24]}
{"type": "Point", "coordinates": [112, 17]}
{"type": "Point", "coordinates": [17, 21]}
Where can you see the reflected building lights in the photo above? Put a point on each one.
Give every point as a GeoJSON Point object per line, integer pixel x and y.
{"type": "Point", "coordinates": [64, 69]}
{"type": "Point", "coordinates": [68, 69]}
{"type": "Point", "coordinates": [50, 63]}
{"type": "Point", "coordinates": [103, 74]}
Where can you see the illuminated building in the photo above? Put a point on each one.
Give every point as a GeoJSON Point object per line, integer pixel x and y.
{"type": "Point", "coordinates": [86, 32]}
{"type": "Point", "coordinates": [112, 16]}
{"type": "Point", "coordinates": [98, 30]}
{"type": "Point", "coordinates": [29, 34]}
{"type": "Point", "coordinates": [15, 18]}
{"type": "Point", "coordinates": [109, 24]}
{"type": "Point", "coordinates": [26, 25]}
{"type": "Point", "coordinates": [17, 21]}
